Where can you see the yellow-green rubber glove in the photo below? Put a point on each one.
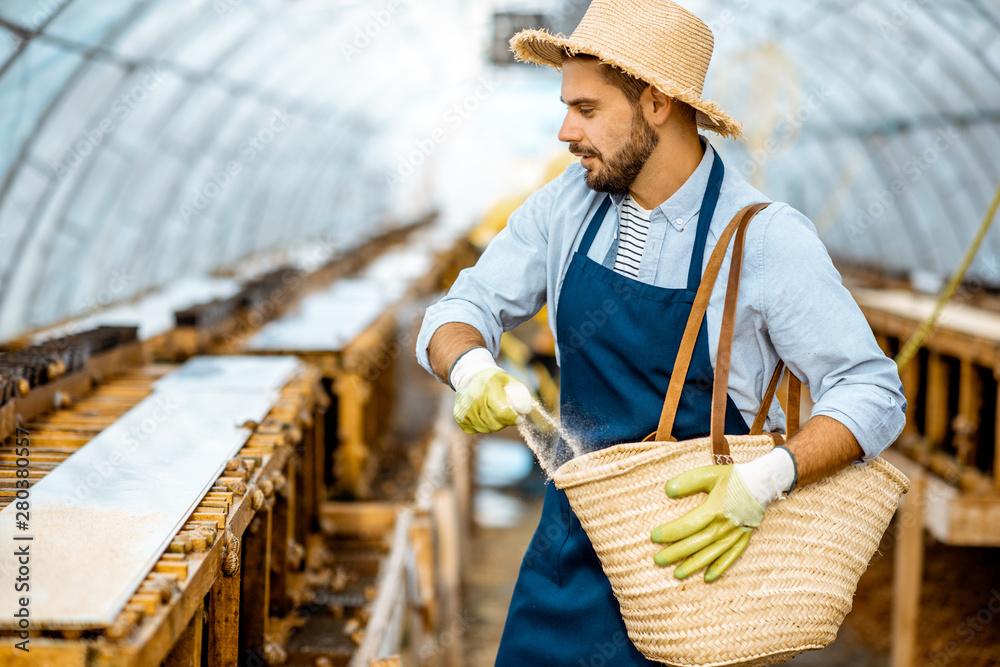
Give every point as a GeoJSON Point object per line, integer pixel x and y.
{"type": "Point", "coordinates": [486, 398]}
{"type": "Point", "coordinates": [716, 533]}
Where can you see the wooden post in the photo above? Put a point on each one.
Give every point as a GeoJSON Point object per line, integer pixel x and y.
{"type": "Point", "coordinates": [224, 621]}
{"type": "Point", "coordinates": [352, 452]}
{"type": "Point", "coordinates": [424, 624]}
{"type": "Point", "coordinates": [883, 343]}
{"type": "Point", "coordinates": [996, 440]}
{"type": "Point", "coordinates": [907, 573]}
{"type": "Point", "coordinates": [446, 521]}
{"type": "Point", "coordinates": [186, 652]}
{"type": "Point", "coordinates": [255, 591]}
{"type": "Point", "coordinates": [936, 425]}
{"type": "Point", "coordinates": [967, 423]}
{"type": "Point", "coordinates": [911, 386]}
{"type": "Point", "coordinates": [318, 473]}
{"type": "Point", "coordinates": [282, 525]}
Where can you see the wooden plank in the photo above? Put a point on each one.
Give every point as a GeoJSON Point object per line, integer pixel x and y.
{"type": "Point", "coordinates": [383, 634]}
{"type": "Point", "coordinates": [45, 651]}
{"type": "Point", "coordinates": [907, 574]}
{"type": "Point", "coordinates": [365, 520]}
{"type": "Point", "coordinates": [224, 621]}
{"type": "Point", "coordinates": [975, 521]}
{"type": "Point", "coordinates": [153, 639]}
{"type": "Point", "coordinates": [938, 495]}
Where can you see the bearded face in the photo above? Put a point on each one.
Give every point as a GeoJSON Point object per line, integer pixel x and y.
{"type": "Point", "coordinates": [614, 171]}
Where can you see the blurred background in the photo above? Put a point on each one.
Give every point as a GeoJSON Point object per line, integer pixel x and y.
{"type": "Point", "coordinates": [162, 159]}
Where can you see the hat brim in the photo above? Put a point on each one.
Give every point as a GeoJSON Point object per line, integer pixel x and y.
{"type": "Point", "coordinates": [543, 48]}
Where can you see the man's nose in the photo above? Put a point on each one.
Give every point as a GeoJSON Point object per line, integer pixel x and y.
{"type": "Point", "coordinates": [570, 131]}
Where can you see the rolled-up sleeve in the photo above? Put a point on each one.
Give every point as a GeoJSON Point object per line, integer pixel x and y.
{"type": "Point", "coordinates": [507, 286]}
{"type": "Point", "coordinates": [818, 329]}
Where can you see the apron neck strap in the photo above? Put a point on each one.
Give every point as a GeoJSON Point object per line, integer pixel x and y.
{"type": "Point", "coordinates": [708, 203]}
{"type": "Point", "coordinates": [595, 224]}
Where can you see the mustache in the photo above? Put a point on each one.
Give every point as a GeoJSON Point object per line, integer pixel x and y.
{"type": "Point", "coordinates": [576, 149]}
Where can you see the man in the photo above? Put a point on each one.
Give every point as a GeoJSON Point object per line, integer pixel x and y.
{"type": "Point", "coordinates": [616, 247]}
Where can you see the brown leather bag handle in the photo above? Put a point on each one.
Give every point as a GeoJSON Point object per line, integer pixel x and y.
{"type": "Point", "coordinates": [720, 388]}
{"type": "Point", "coordinates": [690, 337]}
{"type": "Point", "coordinates": [758, 423]}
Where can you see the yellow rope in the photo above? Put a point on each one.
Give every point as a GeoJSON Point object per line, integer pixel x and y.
{"type": "Point", "coordinates": [917, 339]}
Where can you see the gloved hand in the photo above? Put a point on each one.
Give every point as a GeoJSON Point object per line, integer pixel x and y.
{"type": "Point", "coordinates": [486, 398]}
{"type": "Point", "coordinates": [718, 530]}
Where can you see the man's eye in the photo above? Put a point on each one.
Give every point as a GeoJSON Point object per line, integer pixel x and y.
{"type": "Point", "coordinates": [586, 112]}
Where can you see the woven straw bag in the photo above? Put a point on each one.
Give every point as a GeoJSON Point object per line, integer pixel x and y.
{"type": "Point", "coordinates": [792, 587]}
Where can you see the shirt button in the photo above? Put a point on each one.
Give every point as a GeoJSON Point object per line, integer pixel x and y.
{"type": "Point", "coordinates": [680, 221]}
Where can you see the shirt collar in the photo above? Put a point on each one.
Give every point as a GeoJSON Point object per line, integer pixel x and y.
{"type": "Point", "coordinates": [684, 204]}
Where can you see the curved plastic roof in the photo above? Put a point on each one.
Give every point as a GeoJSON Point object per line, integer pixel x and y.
{"type": "Point", "coordinates": [142, 140]}
{"type": "Point", "coordinates": [880, 120]}
{"type": "Point", "coordinates": [146, 140]}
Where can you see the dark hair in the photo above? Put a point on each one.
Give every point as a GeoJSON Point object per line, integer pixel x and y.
{"type": "Point", "coordinates": [633, 87]}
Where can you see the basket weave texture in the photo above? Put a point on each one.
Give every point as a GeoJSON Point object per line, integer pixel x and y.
{"type": "Point", "coordinates": [787, 593]}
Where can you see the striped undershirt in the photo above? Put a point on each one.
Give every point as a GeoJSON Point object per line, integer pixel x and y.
{"type": "Point", "coordinates": [633, 227]}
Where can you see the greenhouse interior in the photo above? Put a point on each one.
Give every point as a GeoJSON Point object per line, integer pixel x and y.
{"type": "Point", "coordinates": [514, 414]}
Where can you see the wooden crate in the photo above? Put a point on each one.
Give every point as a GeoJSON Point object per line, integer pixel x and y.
{"type": "Point", "coordinates": [360, 380]}
{"type": "Point", "coordinates": [235, 565]}
{"type": "Point", "coordinates": [414, 615]}
{"type": "Point", "coordinates": [950, 447]}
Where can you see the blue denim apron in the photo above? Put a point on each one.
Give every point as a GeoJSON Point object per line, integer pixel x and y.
{"type": "Point", "coordinates": [618, 339]}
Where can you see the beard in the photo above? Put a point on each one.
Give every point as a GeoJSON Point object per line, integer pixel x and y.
{"type": "Point", "coordinates": [619, 170]}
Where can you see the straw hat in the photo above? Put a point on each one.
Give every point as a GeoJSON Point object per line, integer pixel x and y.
{"type": "Point", "coordinates": [657, 41]}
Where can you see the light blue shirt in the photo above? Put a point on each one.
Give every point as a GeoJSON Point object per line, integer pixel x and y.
{"type": "Point", "coordinates": [791, 303]}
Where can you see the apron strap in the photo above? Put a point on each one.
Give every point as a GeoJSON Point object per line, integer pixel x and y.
{"type": "Point", "coordinates": [705, 216]}
{"type": "Point", "coordinates": [721, 386]}
{"type": "Point", "coordinates": [595, 224]}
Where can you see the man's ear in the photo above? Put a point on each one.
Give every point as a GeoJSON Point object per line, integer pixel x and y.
{"type": "Point", "coordinates": [657, 105]}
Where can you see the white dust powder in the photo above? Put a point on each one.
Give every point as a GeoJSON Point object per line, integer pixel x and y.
{"type": "Point", "coordinates": [546, 450]}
